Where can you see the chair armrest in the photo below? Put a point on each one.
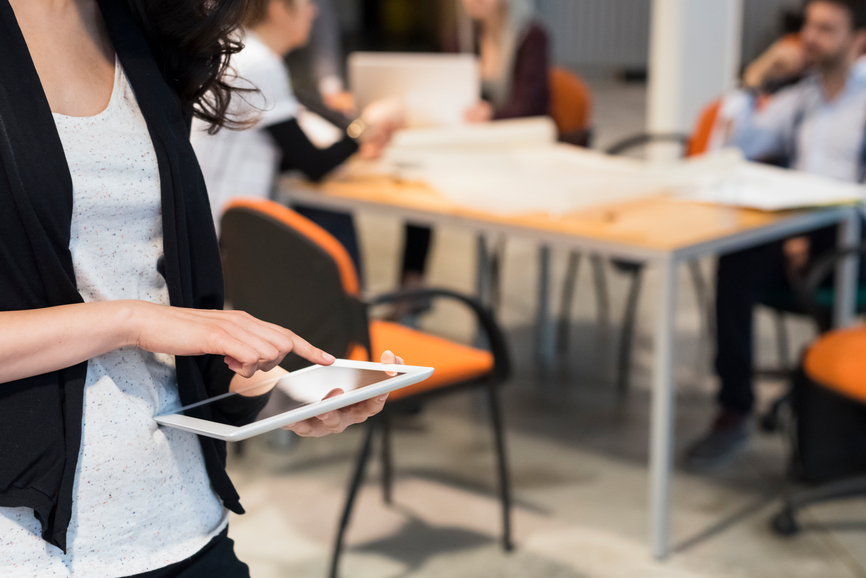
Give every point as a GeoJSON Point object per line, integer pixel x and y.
{"type": "Point", "coordinates": [645, 139]}
{"type": "Point", "coordinates": [494, 334]}
{"type": "Point", "coordinates": [818, 272]}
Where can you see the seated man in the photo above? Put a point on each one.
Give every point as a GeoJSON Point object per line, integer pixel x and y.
{"type": "Point", "coordinates": [817, 125]}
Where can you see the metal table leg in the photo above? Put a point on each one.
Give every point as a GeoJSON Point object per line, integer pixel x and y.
{"type": "Point", "coordinates": [845, 306]}
{"type": "Point", "coordinates": [544, 342]}
{"type": "Point", "coordinates": [662, 418]}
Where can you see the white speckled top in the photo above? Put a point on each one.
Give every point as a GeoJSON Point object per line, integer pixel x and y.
{"type": "Point", "coordinates": [142, 497]}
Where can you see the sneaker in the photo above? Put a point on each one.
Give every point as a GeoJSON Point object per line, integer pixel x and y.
{"type": "Point", "coordinates": [728, 437]}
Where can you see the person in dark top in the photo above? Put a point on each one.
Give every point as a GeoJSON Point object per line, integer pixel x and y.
{"type": "Point", "coordinates": [513, 50]}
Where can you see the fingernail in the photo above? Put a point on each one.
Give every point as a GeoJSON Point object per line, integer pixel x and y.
{"type": "Point", "coordinates": [382, 398]}
{"type": "Point", "coordinates": [324, 416]}
{"type": "Point", "coordinates": [328, 357]}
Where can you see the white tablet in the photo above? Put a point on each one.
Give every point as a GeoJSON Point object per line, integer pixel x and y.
{"type": "Point", "coordinates": [306, 388]}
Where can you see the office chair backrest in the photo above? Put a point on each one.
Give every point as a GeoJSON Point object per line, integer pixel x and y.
{"type": "Point", "coordinates": [282, 268]}
{"type": "Point", "coordinates": [570, 102]}
{"type": "Point", "coordinates": [699, 142]}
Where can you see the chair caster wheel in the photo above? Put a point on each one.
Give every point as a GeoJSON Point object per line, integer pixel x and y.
{"type": "Point", "coordinates": [785, 523]}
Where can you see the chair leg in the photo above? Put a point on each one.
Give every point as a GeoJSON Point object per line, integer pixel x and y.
{"type": "Point", "coordinates": [770, 421]}
{"type": "Point", "coordinates": [502, 463]}
{"type": "Point", "coordinates": [497, 256]}
{"type": "Point", "coordinates": [354, 486]}
{"type": "Point", "coordinates": [782, 341]}
{"type": "Point", "coordinates": [387, 464]}
{"type": "Point", "coordinates": [568, 288]}
{"type": "Point", "coordinates": [626, 338]}
{"type": "Point", "coordinates": [785, 522]}
{"type": "Point", "coordinates": [601, 294]}
{"type": "Point", "coordinates": [702, 291]}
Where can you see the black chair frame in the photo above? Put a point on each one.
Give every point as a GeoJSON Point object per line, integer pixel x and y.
{"type": "Point", "coordinates": [381, 424]}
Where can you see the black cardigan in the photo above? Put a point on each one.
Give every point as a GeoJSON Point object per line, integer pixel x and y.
{"type": "Point", "coordinates": [41, 416]}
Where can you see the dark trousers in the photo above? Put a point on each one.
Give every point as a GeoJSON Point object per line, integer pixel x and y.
{"type": "Point", "coordinates": [341, 226]}
{"type": "Point", "coordinates": [745, 279]}
{"type": "Point", "coordinates": [416, 247]}
{"type": "Point", "coordinates": [217, 559]}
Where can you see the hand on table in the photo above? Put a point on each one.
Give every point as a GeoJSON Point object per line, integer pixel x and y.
{"type": "Point", "coordinates": [338, 420]}
{"type": "Point", "coordinates": [481, 112]}
{"type": "Point", "coordinates": [382, 119]}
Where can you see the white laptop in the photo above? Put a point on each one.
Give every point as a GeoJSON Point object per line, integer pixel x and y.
{"type": "Point", "coordinates": [436, 89]}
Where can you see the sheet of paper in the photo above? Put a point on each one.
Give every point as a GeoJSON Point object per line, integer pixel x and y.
{"type": "Point", "coordinates": [766, 188]}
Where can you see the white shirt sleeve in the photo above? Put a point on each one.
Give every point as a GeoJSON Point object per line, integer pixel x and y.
{"type": "Point", "coordinates": [767, 133]}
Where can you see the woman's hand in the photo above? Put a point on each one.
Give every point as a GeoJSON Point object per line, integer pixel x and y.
{"type": "Point", "coordinates": [481, 112]}
{"type": "Point", "coordinates": [247, 344]}
{"type": "Point", "coordinates": [338, 420]}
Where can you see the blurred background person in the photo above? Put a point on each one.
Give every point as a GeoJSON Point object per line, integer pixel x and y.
{"type": "Point", "coordinates": [514, 59]}
{"type": "Point", "coordinates": [513, 50]}
{"type": "Point", "coordinates": [246, 162]}
{"type": "Point", "coordinates": [817, 125]}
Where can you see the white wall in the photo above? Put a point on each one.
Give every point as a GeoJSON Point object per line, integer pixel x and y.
{"type": "Point", "coordinates": [614, 34]}
{"type": "Point", "coordinates": [694, 57]}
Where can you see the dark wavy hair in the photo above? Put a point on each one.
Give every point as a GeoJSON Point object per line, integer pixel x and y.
{"type": "Point", "coordinates": [857, 9]}
{"type": "Point", "coordinates": [193, 41]}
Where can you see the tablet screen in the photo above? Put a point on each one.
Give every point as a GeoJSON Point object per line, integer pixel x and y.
{"type": "Point", "coordinates": [305, 387]}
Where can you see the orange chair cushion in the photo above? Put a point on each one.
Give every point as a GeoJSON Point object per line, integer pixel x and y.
{"type": "Point", "coordinates": [838, 362]}
{"type": "Point", "coordinates": [570, 101]}
{"type": "Point", "coordinates": [454, 363]}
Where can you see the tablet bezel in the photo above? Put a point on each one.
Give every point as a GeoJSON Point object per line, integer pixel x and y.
{"type": "Point", "coordinates": [410, 376]}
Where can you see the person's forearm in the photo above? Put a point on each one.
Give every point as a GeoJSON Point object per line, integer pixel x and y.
{"type": "Point", "coordinates": [301, 154]}
{"type": "Point", "coordinates": [43, 340]}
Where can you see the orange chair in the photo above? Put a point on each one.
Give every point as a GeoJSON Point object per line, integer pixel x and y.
{"type": "Point", "coordinates": [836, 362]}
{"type": "Point", "coordinates": [570, 106]}
{"type": "Point", "coordinates": [283, 268]}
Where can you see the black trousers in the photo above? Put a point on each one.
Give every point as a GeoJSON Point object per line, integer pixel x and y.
{"type": "Point", "coordinates": [217, 559]}
{"type": "Point", "coordinates": [416, 247]}
{"type": "Point", "coordinates": [746, 279]}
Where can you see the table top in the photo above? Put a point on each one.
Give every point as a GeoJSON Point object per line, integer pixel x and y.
{"type": "Point", "coordinates": [658, 224]}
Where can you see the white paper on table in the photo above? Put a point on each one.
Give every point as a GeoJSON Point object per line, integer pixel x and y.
{"type": "Point", "coordinates": [512, 178]}
{"type": "Point", "coordinates": [758, 186]}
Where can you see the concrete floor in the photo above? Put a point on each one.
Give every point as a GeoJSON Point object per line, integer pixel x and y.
{"type": "Point", "coordinates": [578, 454]}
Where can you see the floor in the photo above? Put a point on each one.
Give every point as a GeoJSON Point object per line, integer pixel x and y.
{"type": "Point", "coordinates": [578, 452]}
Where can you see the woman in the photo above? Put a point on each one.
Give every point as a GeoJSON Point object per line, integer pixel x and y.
{"type": "Point", "coordinates": [513, 55]}
{"type": "Point", "coordinates": [246, 162]}
{"type": "Point", "coordinates": [111, 290]}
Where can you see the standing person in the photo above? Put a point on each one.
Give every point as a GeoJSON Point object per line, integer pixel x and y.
{"type": "Point", "coordinates": [111, 293]}
{"type": "Point", "coordinates": [246, 161]}
{"type": "Point", "coordinates": [513, 50]}
{"type": "Point", "coordinates": [817, 125]}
